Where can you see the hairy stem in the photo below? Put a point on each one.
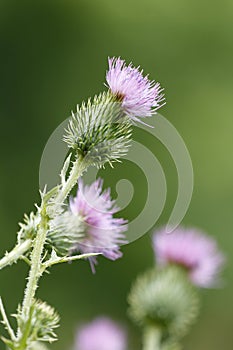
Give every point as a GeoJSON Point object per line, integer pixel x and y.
{"type": "Point", "coordinates": [66, 259]}
{"type": "Point", "coordinates": [15, 254]}
{"type": "Point", "coordinates": [151, 338]}
{"type": "Point", "coordinates": [36, 263]}
{"type": "Point", "coordinates": [34, 275]}
{"type": "Point", "coordinates": [38, 247]}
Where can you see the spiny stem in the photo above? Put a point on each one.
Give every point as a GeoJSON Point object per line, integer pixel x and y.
{"type": "Point", "coordinates": [16, 253]}
{"type": "Point", "coordinates": [38, 246]}
{"type": "Point", "coordinates": [35, 271]}
{"type": "Point", "coordinates": [6, 322]}
{"type": "Point", "coordinates": [64, 259]}
{"type": "Point", "coordinates": [78, 167]}
{"type": "Point", "coordinates": [151, 338]}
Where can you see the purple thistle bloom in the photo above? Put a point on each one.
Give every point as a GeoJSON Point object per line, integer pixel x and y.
{"type": "Point", "coordinates": [101, 334]}
{"type": "Point", "coordinates": [139, 96]}
{"type": "Point", "coordinates": [192, 249]}
{"type": "Point", "coordinates": [103, 233]}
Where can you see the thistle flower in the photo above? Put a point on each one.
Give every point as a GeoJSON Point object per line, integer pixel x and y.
{"type": "Point", "coordinates": [164, 299]}
{"type": "Point", "coordinates": [192, 249]}
{"type": "Point", "coordinates": [139, 97]}
{"type": "Point", "coordinates": [88, 226]}
{"type": "Point", "coordinates": [65, 231]}
{"type": "Point", "coordinates": [99, 131]}
{"type": "Point", "coordinates": [103, 233]}
{"type": "Point", "coordinates": [101, 334]}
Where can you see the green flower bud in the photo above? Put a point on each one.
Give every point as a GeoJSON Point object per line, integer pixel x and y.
{"type": "Point", "coordinates": [40, 325]}
{"type": "Point", "coordinates": [28, 227]}
{"type": "Point", "coordinates": [99, 131]}
{"type": "Point", "coordinates": [165, 299]}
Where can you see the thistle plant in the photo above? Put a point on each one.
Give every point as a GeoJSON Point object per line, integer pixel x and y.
{"type": "Point", "coordinates": [99, 132]}
{"type": "Point", "coordinates": [164, 301]}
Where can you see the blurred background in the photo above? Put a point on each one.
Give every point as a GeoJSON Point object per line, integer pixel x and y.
{"type": "Point", "coordinates": [54, 55]}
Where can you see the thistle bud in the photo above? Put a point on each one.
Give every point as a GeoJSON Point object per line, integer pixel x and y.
{"type": "Point", "coordinates": [43, 320]}
{"type": "Point", "coordinates": [28, 227]}
{"type": "Point", "coordinates": [99, 131]}
{"type": "Point", "coordinates": [164, 299]}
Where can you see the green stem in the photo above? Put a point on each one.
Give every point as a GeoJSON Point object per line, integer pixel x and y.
{"type": "Point", "coordinates": [78, 167]}
{"type": "Point", "coordinates": [151, 338]}
{"type": "Point", "coordinates": [6, 322]}
{"type": "Point", "coordinates": [23, 340]}
{"type": "Point", "coordinates": [36, 263]}
{"type": "Point", "coordinates": [38, 247]}
{"type": "Point", "coordinates": [65, 259]}
{"type": "Point", "coordinates": [16, 253]}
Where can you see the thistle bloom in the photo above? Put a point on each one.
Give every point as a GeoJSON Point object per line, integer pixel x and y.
{"type": "Point", "coordinates": [192, 249]}
{"type": "Point", "coordinates": [101, 334]}
{"type": "Point", "coordinates": [139, 96]}
{"type": "Point", "coordinates": [102, 232]}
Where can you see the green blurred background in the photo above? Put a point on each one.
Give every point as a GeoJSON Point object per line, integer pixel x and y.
{"type": "Point", "coordinates": [54, 55]}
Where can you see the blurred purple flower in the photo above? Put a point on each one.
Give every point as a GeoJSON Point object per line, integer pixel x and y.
{"type": "Point", "coordinates": [101, 334]}
{"type": "Point", "coordinates": [139, 96]}
{"type": "Point", "coordinates": [192, 249]}
{"type": "Point", "coordinates": [103, 233]}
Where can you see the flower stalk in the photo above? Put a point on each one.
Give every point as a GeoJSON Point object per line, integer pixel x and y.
{"type": "Point", "coordinates": [151, 338]}
{"type": "Point", "coordinates": [37, 265]}
{"type": "Point", "coordinates": [79, 165]}
{"type": "Point", "coordinates": [58, 260]}
{"type": "Point", "coordinates": [36, 261]}
{"type": "Point", "coordinates": [5, 321]}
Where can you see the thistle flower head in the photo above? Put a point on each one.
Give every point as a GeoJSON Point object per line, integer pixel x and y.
{"type": "Point", "coordinates": [99, 131]}
{"type": "Point", "coordinates": [165, 299]}
{"type": "Point", "coordinates": [88, 226]}
{"type": "Point", "coordinates": [139, 97]}
{"type": "Point", "coordinates": [65, 231]}
{"type": "Point", "coordinates": [103, 233]}
{"type": "Point", "coordinates": [101, 334]}
{"type": "Point", "coordinates": [192, 249]}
